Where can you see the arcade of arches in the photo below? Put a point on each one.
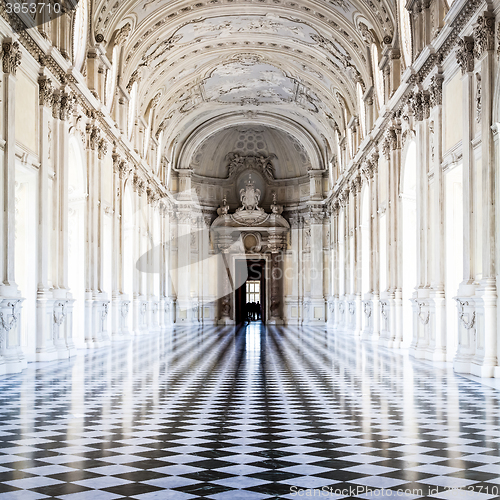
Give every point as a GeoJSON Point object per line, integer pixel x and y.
{"type": "Point", "coordinates": [349, 148]}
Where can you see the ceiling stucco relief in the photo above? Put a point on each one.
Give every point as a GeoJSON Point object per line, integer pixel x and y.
{"type": "Point", "coordinates": [278, 63]}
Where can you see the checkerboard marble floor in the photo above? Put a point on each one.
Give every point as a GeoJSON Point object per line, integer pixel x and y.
{"type": "Point", "coordinates": [254, 413]}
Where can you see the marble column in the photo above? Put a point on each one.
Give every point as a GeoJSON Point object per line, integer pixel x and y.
{"type": "Point", "coordinates": [317, 313]}
{"type": "Point", "coordinates": [357, 255]}
{"type": "Point", "coordinates": [45, 349]}
{"type": "Point", "coordinates": [375, 256]}
{"type": "Point", "coordinates": [484, 38]}
{"type": "Point", "coordinates": [11, 356]}
{"type": "Point", "coordinates": [437, 219]}
{"type": "Point", "coordinates": [293, 300]}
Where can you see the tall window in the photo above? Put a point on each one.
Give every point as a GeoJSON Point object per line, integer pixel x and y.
{"type": "Point", "coordinates": [80, 35]}
{"type": "Point", "coordinates": [131, 110]}
{"type": "Point", "coordinates": [361, 106]}
{"type": "Point", "coordinates": [339, 150]}
{"type": "Point", "coordinates": [377, 76]}
{"type": "Point", "coordinates": [111, 78]}
{"type": "Point", "coordinates": [405, 30]}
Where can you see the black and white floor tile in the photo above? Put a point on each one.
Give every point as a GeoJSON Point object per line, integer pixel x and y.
{"type": "Point", "coordinates": [248, 414]}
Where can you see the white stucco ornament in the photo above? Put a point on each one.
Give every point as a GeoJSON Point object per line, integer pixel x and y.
{"type": "Point", "coordinates": [249, 196]}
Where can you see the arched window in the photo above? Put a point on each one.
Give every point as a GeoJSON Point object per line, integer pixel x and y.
{"type": "Point", "coordinates": [405, 31]}
{"type": "Point", "coordinates": [362, 111]}
{"type": "Point", "coordinates": [339, 150]}
{"type": "Point", "coordinates": [131, 110]}
{"type": "Point", "coordinates": [111, 77]}
{"type": "Point", "coordinates": [159, 153]}
{"type": "Point", "coordinates": [80, 35]}
{"type": "Point", "coordinates": [377, 76]}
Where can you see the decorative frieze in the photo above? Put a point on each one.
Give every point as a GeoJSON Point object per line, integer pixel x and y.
{"type": "Point", "coordinates": [484, 34]}
{"type": "Point", "coordinates": [465, 54]}
{"type": "Point", "coordinates": [11, 57]}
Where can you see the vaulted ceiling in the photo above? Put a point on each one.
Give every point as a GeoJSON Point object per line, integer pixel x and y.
{"type": "Point", "coordinates": [202, 66]}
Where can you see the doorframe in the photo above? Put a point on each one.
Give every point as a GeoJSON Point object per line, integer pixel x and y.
{"type": "Point", "coordinates": [253, 256]}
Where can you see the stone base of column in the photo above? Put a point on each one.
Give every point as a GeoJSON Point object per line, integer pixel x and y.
{"type": "Point", "coordinates": [225, 321]}
{"type": "Point", "coordinates": [358, 315]}
{"type": "Point", "coordinates": [96, 313]}
{"type": "Point", "coordinates": [375, 317]}
{"type": "Point", "coordinates": [153, 320]}
{"type": "Point", "coordinates": [120, 311]}
{"type": "Point", "coordinates": [367, 314]}
{"type": "Point", "coordinates": [208, 311]}
{"type": "Point", "coordinates": [140, 307]}
{"type": "Point", "coordinates": [45, 349]}
{"type": "Point", "coordinates": [12, 359]}
{"type": "Point", "coordinates": [316, 311]}
{"type": "Point", "coordinates": [275, 321]}
{"type": "Point", "coordinates": [292, 310]}
{"type": "Point", "coordinates": [186, 312]}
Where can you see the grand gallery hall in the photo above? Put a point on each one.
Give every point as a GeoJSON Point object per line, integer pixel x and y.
{"type": "Point", "coordinates": [250, 249]}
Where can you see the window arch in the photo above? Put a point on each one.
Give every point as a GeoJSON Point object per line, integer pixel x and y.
{"type": "Point", "coordinates": [80, 35]}
{"type": "Point", "coordinates": [405, 32]}
{"type": "Point", "coordinates": [378, 77]}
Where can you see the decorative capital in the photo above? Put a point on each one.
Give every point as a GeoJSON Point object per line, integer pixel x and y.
{"type": "Point", "coordinates": [11, 57]}
{"type": "Point", "coordinates": [45, 91]}
{"type": "Point", "coordinates": [56, 105]}
{"type": "Point", "coordinates": [93, 133]}
{"type": "Point", "coordinates": [436, 90]}
{"type": "Point", "coordinates": [102, 148]}
{"type": "Point", "coordinates": [67, 102]}
{"type": "Point", "coordinates": [465, 54]}
{"type": "Point", "coordinates": [124, 170]}
{"type": "Point", "coordinates": [484, 34]}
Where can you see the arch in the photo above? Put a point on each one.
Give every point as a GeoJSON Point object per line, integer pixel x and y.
{"type": "Point", "coordinates": [76, 238]}
{"type": "Point", "coordinates": [408, 193]}
{"type": "Point", "coordinates": [195, 138]}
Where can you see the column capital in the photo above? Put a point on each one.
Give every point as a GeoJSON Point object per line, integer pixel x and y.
{"type": "Point", "coordinates": [102, 148]}
{"type": "Point", "coordinates": [11, 57]}
{"type": "Point", "coordinates": [93, 136]}
{"type": "Point", "coordinates": [484, 34]}
{"type": "Point", "coordinates": [45, 91]}
{"type": "Point", "coordinates": [67, 102]}
{"type": "Point", "coordinates": [465, 54]}
{"type": "Point", "coordinates": [436, 90]}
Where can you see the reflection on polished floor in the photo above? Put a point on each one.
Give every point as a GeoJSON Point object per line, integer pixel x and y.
{"type": "Point", "coordinates": [254, 413]}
